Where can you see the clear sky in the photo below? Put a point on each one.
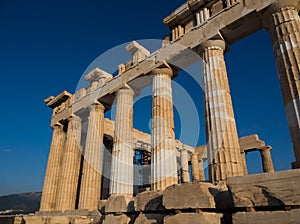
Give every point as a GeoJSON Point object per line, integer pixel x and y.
{"type": "Point", "coordinates": [45, 46]}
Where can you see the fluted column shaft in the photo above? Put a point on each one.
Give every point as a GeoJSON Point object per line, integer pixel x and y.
{"type": "Point", "coordinates": [243, 156]}
{"type": "Point", "coordinates": [222, 140]}
{"type": "Point", "coordinates": [90, 190]}
{"type": "Point", "coordinates": [122, 178]}
{"type": "Point", "coordinates": [195, 167]}
{"type": "Point", "coordinates": [201, 170]}
{"type": "Point", "coordinates": [283, 22]}
{"type": "Point", "coordinates": [48, 199]}
{"type": "Point", "coordinates": [184, 163]}
{"type": "Point", "coordinates": [68, 182]}
{"type": "Point", "coordinates": [164, 165]}
{"type": "Point", "coordinates": [266, 158]}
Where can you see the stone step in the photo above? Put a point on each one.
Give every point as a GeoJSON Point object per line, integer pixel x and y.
{"type": "Point", "coordinates": [190, 196]}
{"type": "Point", "coordinates": [268, 189]}
{"type": "Point", "coordinates": [194, 218]}
{"type": "Point", "coordinates": [287, 217]}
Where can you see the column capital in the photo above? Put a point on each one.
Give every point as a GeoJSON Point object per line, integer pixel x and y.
{"type": "Point", "coordinates": [217, 44]}
{"type": "Point", "coordinates": [266, 148]}
{"type": "Point", "coordinates": [200, 150]}
{"type": "Point", "coordinates": [97, 106]}
{"type": "Point", "coordinates": [275, 7]}
{"type": "Point", "coordinates": [74, 117]}
{"type": "Point", "coordinates": [183, 150]}
{"type": "Point", "coordinates": [57, 125]}
{"type": "Point", "coordinates": [126, 89]}
{"type": "Point", "coordinates": [163, 71]}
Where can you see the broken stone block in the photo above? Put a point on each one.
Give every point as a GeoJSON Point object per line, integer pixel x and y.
{"type": "Point", "coordinates": [88, 219]}
{"type": "Point", "coordinates": [194, 218]}
{"type": "Point", "coordinates": [150, 219]}
{"type": "Point", "coordinates": [83, 220]}
{"type": "Point", "coordinates": [288, 217]}
{"type": "Point", "coordinates": [149, 201]}
{"type": "Point", "coordinates": [190, 195]}
{"type": "Point", "coordinates": [59, 220]}
{"type": "Point", "coordinates": [119, 204]}
{"type": "Point", "coordinates": [116, 219]}
{"type": "Point", "coordinates": [268, 189]}
{"type": "Point", "coordinates": [33, 219]}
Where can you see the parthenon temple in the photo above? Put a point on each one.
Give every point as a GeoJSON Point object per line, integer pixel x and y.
{"type": "Point", "coordinates": [106, 171]}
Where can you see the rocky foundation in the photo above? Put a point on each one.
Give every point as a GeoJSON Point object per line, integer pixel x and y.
{"type": "Point", "coordinates": [256, 199]}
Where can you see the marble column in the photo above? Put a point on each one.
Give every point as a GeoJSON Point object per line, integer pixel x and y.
{"type": "Point", "coordinates": [48, 199]}
{"type": "Point", "coordinates": [90, 190]}
{"type": "Point", "coordinates": [184, 164]}
{"type": "Point", "coordinates": [195, 167]}
{"type": "Point", "coordinates": [266, 158]}
{"type": "Point", "coordinates": [283, 22]}
{"type": "Point", "coordinates": [70, 167]}
{"type": "Point", "coordinates": [164, 164]}
{"type": "Point", "coordinates": [122, 154]}
{"type": "Point", "coordinates": [201, 153]}
{"type": "Point", "coordinates": [201, 170]}
{"type": "Point", "coordinates": [245, 169]}
{"type": "Point", "coordinates": [222, 140]}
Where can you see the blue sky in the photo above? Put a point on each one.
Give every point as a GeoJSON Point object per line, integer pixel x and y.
{"type": "Point", "coordinates": [45, 46]}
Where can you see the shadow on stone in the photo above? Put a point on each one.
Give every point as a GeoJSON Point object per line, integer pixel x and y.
{"type": "Point", "coordinates": [223, 199]}
{"type": "Point", "coordinates": [101, 206]}
{"type": "Point", "coordinates": [155, 204]}
{"type": "Point", "coordinates": [149, 201]}
{"type": "Point", "coordinates": [273, 201]}
{"type": "Point", "coordinates": [190, 196]}
{"type": "Point", "coordinates": [150, 219]}
{"type": "Point", "coordinates": [119, 204]}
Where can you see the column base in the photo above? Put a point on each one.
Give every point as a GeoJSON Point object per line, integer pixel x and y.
{"type": "Point", "coordinates": [296, 165]}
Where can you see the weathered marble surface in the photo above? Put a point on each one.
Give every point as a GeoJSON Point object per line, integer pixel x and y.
{"type": "Point", "coordinates": [269, 189]}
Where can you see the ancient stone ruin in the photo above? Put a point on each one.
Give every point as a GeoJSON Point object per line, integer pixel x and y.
{"type": "Point", "coordinates": [88, 183]}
